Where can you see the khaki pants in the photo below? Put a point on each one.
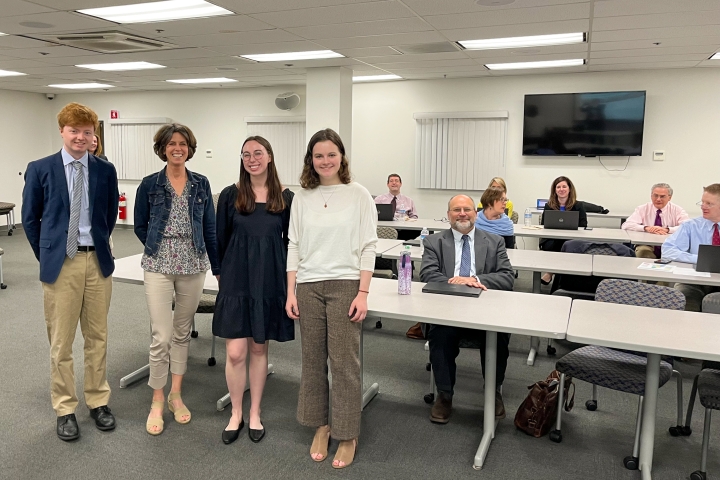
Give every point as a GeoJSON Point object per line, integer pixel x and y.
{"type": "Point", "coordinates": [80, 293]}
{"type": "Point", "coordinates": [170, 333]}
{"type": "Point", "coordinates": [645, 251]}
{"type": "Point", "coordinates": [327, 332]}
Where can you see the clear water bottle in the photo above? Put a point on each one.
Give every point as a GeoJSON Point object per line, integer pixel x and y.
{"type": "Point", "coordinates": [405, 272]}
{"type": "Point", "coordinates": [528, 217]}
{"type": "Point", "coordinates": [400, 213]}
{"type": "Point", "coordinates": [424, 233]}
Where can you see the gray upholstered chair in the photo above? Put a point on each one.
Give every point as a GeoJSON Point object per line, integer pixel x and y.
{"type": "Point", "coordinates": [707, 384]}
{"type": "Point", "coordinates": [620, 370]}
{"type": "Point", "coordinates": [2, 281]}
{"type": "Point", "coordinates": [8, 209]}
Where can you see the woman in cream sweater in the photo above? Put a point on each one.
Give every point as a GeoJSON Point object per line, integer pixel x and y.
{"type": "Point", "coordinates": [331, 256]}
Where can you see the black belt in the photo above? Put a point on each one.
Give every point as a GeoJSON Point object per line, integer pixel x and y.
{"type": "Point", "coordinates": [83, 248]}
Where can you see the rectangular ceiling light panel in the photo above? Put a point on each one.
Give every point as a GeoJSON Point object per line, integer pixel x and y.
{"type": "Point", "coordinates": [376, 78]}
{"type": "Point", "coordinates": [122, 66]}
{"type": "Point", "coordinates": [203, 80]}
{"type": "Point", "coordinates": [10, 73]}
{"type": "Point", "coordinates": [288, 56]}
{"type": "Point", "coordinates": [79, 86]}
{"type": "Point", "coordinates": [522, 42]}
{"type": "Point", "coordinates": [543, 64]}
{"type": "Point", "coordinates": [157, 11]}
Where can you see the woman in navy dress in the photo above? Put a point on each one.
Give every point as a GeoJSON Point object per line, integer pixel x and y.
{"type": "Point", "coordinates": [252, 225]}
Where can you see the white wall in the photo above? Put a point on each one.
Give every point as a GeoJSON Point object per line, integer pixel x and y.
{"type": "Point", "coordinates": [27, 122]}
{"type": "Point", "coordinates": [682, 118]}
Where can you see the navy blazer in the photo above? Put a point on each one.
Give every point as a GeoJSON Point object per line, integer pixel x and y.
{"type": "Point", "coordinates": [46, 212]}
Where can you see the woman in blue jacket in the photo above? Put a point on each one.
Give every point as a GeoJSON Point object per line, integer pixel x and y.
{"type": "Point", "coordinates": [175, 220]}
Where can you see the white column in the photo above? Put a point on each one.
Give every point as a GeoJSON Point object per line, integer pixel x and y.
{"type": "Point", "coordinates": [329, 102]}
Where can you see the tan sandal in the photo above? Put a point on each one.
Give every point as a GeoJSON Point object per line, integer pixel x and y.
{"type": "Point", "coordinates": [345, 453]}
{"type": "Point", "coordinates": [320, 443]}
{"type": "Point", "coordinates": [180, 412]}
{"type": "Point", "coordinates": [155, 422]}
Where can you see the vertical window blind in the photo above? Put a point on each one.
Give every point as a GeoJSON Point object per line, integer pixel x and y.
{"type": "Point", "coordinates": [130, 147]}
{"type": "Point", "coordinates": [287, 138]}
{"type": "Point", "coordinates": [459, 150]}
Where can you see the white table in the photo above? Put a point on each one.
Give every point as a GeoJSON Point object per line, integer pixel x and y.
{"type": "Point", "coordinates": [618, 215]}
{"type": "Point", "coordinates": [645, 238]}
{"type": "Point", "coordinates": [611, 235]}
{"type": "Point", "coordinates": [654, 331]}
{"type": "Point", "coordinates": [494, 311]}
{"type": "Point", "coordinates": [627, 267]}
{"type": "Point", "coordinates": [385, 244]}
{"type": "Point", "coordinates": [412, 224]}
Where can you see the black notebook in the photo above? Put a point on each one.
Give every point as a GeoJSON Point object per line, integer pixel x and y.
{"type": "Point", "coordinates": [444, 288]}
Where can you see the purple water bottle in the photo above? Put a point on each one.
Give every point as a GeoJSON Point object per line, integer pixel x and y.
{"type": "Point", "coordinates": [405, 272]}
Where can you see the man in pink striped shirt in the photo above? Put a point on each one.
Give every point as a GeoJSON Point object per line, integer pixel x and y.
{"type": "Point", "coordinates": [659, 216]}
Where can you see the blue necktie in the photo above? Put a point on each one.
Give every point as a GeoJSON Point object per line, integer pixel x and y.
{"type": "Point", "coordinates": [465, 257]}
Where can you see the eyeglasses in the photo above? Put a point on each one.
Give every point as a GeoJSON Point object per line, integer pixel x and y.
{"type": "Point", "coordinates": [257, 155]}
{"type": "Point", "coordinates": [462, 210]}
{"type": "Point", "coordinates": [504, 200]}
{"type": "Point", "coordinates": [443, 219]}
{"type": "Point", "coordinates": [706, 205]}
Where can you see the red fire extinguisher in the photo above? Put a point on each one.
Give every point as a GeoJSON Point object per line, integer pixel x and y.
{"type": "Point", "coordinates": [122, 205]}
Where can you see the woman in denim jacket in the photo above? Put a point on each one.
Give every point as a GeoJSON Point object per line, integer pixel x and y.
{"type": "Point", "coordinates": [175, 220]}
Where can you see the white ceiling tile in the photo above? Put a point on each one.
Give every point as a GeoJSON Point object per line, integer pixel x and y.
{"type": "Point", "coordinates": [80, 4]}
{"type": "Point", "coordinates": [242, 38]}
{"type": "Point", "coordinates": [18, 7]}
{"type": "Point", "coordinates": [418, 57]}
{"type": "Point", "coordinates": [377, 27]}
{"type": "Point", "coordinates": [359, 12]}
{"type": "Point", "coordinates": [640, 66]}
{"type": "Point", "coordinates": [47, 69]}
{"type": "Point", "coordinates": [531, 58]}
{"type": "Point", "coordinates": [545, 28]}
{"type": "Point", "coordinates": [327, 62]}
{"type": "Point", "coordinates": [435, 7]}
{"type": "Point", "coordinates": [614, 8]}
{"type": "Point", "coordinates": [709, 41]}
{"type": "Point", "coordinates": [60, 21]}
{"type": "Point", "coordinates": [14, 41]}
{"type": "Point", "coordinates": [662, 20]}
{"type": "Point", "coordinates": [709, 63]}
{"type": "Point", "coordinates": [427, 64]}
{"type": "Point", "coordinates": [301, 46]}
{"type": "Point", "coordinates": [691, 52]}
{"type": "Point", "coordinates": [649, 59]}
{"type": "Point", "coordinates": [219, 61]}
{"type": "Point", "coordinates": [381, 40]}
{"type": "Point", "coordinates": [512, 16]}
{"type": "Point", "coordinates": [538, 71]}
{"type": "Point", "coordinates": [203, 26]}
{"type": "Point", "coordinates": [255, 6]}
{"type": "Point", "coordinates": [48, 53]}
{"type": "Point", "coordinates": [8, 63]}
{"type": "Point", "coordinates": [444, 70]}
{"type": "Point", "coordinates": [364, 52]}
{"type": "Point", "coordinates": [528, 52]}
{"type": "Point", "coordinates": [654, 33]}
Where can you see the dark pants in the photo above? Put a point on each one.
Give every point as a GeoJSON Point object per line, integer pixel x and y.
{"type": "Point", "coordinates": [445, 347]}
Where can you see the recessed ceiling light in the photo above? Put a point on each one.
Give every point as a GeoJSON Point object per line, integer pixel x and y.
{"type": "Point", "coordinates": [376, 78]}
{"type": "Point", "coordinates": [1, 34]}
{"type": "Point", "coordinates": [203, 80]}
{"type": "Point", "coordinates": [715, 56]}
{"type": "Point", "coordinates": [157, 11]}
{"type": "Point", "coordinates": [520, 42]}
{"type": "Point", "coordinates": [81, 85]}
{"type": "Point", "coordinates": [543, 64]}
{"type": "Point", "coordinates": [10, 73]}
{"type": "Point", "coordinates": [283, 57]}
{"type": "Point", "coordinates": [119, 67]}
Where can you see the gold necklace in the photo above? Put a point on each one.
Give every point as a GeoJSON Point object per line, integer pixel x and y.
{"type": "Point", "coordinates": [326, 200]}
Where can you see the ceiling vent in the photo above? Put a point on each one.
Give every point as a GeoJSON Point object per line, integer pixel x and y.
{"type": "Point", "coordinates": [108, 42]}
{"type": "Point", "coordinates": [440, 47]}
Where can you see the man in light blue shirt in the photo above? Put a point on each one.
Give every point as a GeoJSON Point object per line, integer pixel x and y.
{"type": "Point", "coordinates": [683, 245]}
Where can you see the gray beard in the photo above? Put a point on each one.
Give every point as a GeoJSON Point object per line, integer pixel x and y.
{"type": "Point", "coordinates": [461, 226]}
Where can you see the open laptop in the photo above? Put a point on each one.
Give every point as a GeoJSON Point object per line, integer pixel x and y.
{"type": "Point", "coordinates": [385, 211]}
{"type": "Point", "coordinates": [444, 288]}
{"type": "Point", "coordinates": [708, 259]}
{"type": "Point", "coordinates": [559, 220]}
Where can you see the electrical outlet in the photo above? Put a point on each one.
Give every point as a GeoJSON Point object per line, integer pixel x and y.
{"type": "Point", "coordinates": [658, 155]}
{"type": "Point", "coordinates": [208, 153]}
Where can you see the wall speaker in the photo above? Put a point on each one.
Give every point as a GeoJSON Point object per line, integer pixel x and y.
{"type": "Point", "coordinates": [287, 100]}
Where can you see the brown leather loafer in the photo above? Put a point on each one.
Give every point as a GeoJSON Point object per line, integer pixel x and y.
{"type": "Point", "coordinates": [440, 412]}
{"type": "Point", "coordinates": [499, 406]}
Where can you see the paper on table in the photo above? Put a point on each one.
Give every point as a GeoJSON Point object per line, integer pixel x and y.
{"type": "Point", "coordinates": [690, 271]}
{"type": "Point", "coordinates": [656, 266]}
{"type": "Point", "coordinates": [533, 227]}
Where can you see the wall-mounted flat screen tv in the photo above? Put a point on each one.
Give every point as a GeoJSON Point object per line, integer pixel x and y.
{"type": "Point", "coordinates": [584, 124]}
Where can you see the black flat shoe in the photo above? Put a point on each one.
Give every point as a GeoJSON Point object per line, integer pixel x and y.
{"type": "Point", "coordinates": [545, 282]}
{"type": "Point", "coordinates": [104, 420]}
{"type": "Point", "coordinates": [256, 435]}
{"type": "Point", "coordinates": [67, 428]}
{"type": "Point", "coordinates": [229, 436]}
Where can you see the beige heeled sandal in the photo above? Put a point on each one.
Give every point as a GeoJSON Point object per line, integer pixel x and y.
{"type": "Point", "coordinates": [155, 422]}
{"type": "Point", "coordinates": [345, 453]}
{"type": "Point", "coordinates": [320, 443]}
{"type": "Point", "coordinates": [179, 412]}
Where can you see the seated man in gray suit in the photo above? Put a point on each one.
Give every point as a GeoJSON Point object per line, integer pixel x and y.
{"type": "Point", "coordinates": [464, 255]}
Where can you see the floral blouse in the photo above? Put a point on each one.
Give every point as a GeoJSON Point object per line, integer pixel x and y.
{"type": "Point", "coordinates": [177, 254]}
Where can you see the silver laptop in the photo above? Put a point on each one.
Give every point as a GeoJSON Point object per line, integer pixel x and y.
{"type": "Point", "coordinates": [559, 220]}
{"type": "Point", "coordinates": [708, 259]}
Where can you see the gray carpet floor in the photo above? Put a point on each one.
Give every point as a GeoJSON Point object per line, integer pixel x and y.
{"type": "Point", "coordinates": [397, 441]}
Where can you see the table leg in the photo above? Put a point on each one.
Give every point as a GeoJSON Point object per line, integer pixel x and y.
{"type": "Point", "coordinates": [536, 282]}
{"type": "Point", "coordinates": [373, 389]}
{"type": "Point", "coordinates": [647, 433]}
{"type": "Point", "coordinates": [225, 399]}
{"type": "Point", "coordinates": [133, 377]}
{"type": "Point", "coordinates": [489, 421]}
{"type": "Point", "coordinates": [534, 346]}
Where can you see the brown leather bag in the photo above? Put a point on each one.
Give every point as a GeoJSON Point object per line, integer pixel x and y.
{"type": "Point", "coordinates": [538, 412]}
{"type": "Point", "coordinates": [416, 332]}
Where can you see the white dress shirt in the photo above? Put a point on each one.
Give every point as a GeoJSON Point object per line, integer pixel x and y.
{"type": "Point", "coordinates": [84, 238]}
{"type": "Point", "coordinates": [458, 251]}
{"type": "Point", "coordinates": [644, 216]}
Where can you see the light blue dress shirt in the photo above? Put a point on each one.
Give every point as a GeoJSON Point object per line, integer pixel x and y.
{"type": "Point", "coordinates": [682, 246]}
{"type": "Point", "coordinates": [458, 251]}
{"type": "Point", "coordinates": [84, 239]}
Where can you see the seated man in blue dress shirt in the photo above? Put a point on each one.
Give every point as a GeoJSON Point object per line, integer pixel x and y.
{"type": "Point", "coordinates": [464, 255]}
{"type": "Point", "coordinates": [683, 245]}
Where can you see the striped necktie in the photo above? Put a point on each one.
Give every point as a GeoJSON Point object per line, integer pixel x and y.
{"type": "Point", "coordinates": [75, 205]}
{"type": "Point", "coordinates": [465, 257]}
